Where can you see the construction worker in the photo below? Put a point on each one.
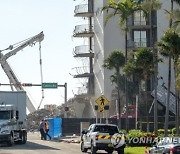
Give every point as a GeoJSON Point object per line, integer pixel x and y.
{"type": "Point", "coordinates": [47, 130]}
{"type": "Point", "coordinates": [42, 129]}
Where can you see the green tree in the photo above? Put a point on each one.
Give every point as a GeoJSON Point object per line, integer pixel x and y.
{"type": "Point", "coordinates": [169, 76]}
{"type": "Point", "coordinates": [150, 6]}
{"type": "Point", "coordinates": [176, 19]}
{"type": "Point", "coordinates": [177, 1]}
{"type": "Point", "coordinates": [116, 60]}
{"type": "Point", "coordinates": [124, 9]}
{"type": "Point", "coordinates": [142, 67]}
{"type": "Point", "coordinates": [169, 46]}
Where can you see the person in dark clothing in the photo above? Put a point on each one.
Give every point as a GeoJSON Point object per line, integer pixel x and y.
{"type": "Point", "coordinates": [42, 130]}
{"type": "Point", "coordinates": [47, 130]}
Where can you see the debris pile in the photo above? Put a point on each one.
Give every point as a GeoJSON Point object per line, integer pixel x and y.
{"type": "Point", "coordinates": [33, 119]}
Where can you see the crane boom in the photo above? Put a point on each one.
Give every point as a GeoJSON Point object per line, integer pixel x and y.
{"type": "Point", "coordinates": [37, 38]}
{"type": "Point", "coordinates": [9, 72]}
{"type": "Point", "coordinates": [13, 79]}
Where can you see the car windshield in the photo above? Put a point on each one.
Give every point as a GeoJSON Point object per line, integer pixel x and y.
{"type": "Point", "coordinates": [106, 129]}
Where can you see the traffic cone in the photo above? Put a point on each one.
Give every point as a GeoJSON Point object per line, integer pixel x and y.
{"type": "Point", "coordinates": [146, 150]}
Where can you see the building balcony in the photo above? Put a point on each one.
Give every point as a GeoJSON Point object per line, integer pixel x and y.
{"type": "Point", "coordinates": [81, 72]}
{"type": "Point", "coordinates": [83, 10]}
{"type": "Point", "coordinates": [83, 31]}
{"type": "Point", "coordinates": [137, 44]}
{"type": "Point", "coordinates": [82, 90]}
{"type": "Point", "coordinates": [83, 51]}
{"type": "Point", "coordinates": [138, 24]}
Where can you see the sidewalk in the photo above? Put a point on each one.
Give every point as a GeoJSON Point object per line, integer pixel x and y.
{"type": "Point", "coordinates": [68, 139]}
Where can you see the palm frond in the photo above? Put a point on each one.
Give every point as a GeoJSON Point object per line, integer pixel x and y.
{"type": "Point", "coordinates": [108, 17]}
{"type": "Point", "coordinates": [177, 1]}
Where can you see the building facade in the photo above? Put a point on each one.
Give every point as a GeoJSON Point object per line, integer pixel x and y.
{"type": "Point", "coordinates": [101, 39]}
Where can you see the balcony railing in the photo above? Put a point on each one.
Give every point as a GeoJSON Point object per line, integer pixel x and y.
{"type": "Point", "coordinates": [83, 10]}
{"type": "Point", "coordinates": [81, 72]}
{"type": "Point", "coordinates": [83, 51]}
{"type": "Point", "coordinates": [83, 31]}
{"type": "Point", "coordinates": [139, 23]}
{"type": "Point", "coordinates": [82, 90]}
{"type": "Point", "coordinates": [131, 23]}
{"type": "Point", "coordinates": [137, 44]}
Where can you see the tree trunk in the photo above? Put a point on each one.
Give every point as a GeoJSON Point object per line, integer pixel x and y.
{"type": "Point", "coordinates": [155, 55]}
{"type": "Point", "coordinates": [168, 99]}
{"type": "Point", "coordinates": [169, 84]}
{"type": "Point", "coordinates": [177, 113]}
{"type": "Point", "coordinates": [176, 100]}
{"type": "Point", "coordinates": [126, 83]}
{"type": "Point", "coordinates": [119, 102]}
{"type": "Point", "coordinates": [146, 101]}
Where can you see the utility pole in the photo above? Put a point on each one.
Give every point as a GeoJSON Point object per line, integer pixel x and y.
{"type": "Point", "coordinates": [65, 99]}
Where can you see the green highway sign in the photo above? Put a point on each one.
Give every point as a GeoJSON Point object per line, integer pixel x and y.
{"type": "Point", "coordinates": [49, 85]}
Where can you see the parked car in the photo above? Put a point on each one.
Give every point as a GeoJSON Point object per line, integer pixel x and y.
{"type": "Point", "coordinates": [103, 137]}
{"type": "Point", "coordinates": [166, 145]}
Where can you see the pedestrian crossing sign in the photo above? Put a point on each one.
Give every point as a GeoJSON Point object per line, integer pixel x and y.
{"type": "Point", "coordinates": [101, 109]}
{"type": "Point", "coordinates": [102, 102]}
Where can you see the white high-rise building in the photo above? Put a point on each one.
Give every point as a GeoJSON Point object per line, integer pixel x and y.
{"type": "Point", "coordinates": [100, 39]}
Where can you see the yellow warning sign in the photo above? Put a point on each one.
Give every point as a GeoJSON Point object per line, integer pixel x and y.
{"type": "Point", "coordinates": [102, 102]}
{"type": "Point", "coordinates": [101, 109]}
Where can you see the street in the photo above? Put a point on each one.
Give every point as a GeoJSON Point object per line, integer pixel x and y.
{"type": "Point", "coordinates": [36, 146]}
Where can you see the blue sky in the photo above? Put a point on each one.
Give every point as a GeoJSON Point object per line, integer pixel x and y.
{"type": "Point", "coordinates": [21, 19]}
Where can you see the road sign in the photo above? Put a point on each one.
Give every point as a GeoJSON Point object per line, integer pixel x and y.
{"type": "Point", "coordinates": [102, 101]}
{"type": "Point", "coordinates": [101, 109]}
{"type": "Point", "coordinates": [49, 85]}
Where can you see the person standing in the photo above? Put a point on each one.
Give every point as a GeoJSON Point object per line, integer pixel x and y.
{"type": "Point", "coordinates": [42, 129]}
{"type": "Point", "coordinates": [47, 130]}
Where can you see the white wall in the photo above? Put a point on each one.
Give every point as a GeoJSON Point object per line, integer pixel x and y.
{"type": "Point", "coordinates": [108, 37]}
{"type": "Point", "coordinates": [162, 26]}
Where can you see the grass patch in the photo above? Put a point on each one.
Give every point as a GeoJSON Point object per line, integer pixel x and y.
{"type": "Point", "coordinates": [134, 150]}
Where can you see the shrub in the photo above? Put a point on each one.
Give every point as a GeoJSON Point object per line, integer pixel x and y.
{"type": "Point", "coordinates": [135, 133]}
{"type": "Point", "coordinates": [140, 138]}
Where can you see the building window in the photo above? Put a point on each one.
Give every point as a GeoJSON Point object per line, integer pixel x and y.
{"type": "Point", "coordinates": [140, 38]}
{"type": "Point", "coordinates": [139, 18]}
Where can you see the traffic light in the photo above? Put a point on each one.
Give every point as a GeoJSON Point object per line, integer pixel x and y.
{"type": "Point", "coordinates": [26, 84]}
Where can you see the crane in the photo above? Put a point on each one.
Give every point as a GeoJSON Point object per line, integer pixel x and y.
{"type": "Point", "coordinates": [8, 70]}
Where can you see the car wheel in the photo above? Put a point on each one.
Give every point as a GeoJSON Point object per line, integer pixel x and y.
{"type": "Point", "coordinates": [121, 151]}
{"type": "Point", "coordinates": [11, 140]}
{"type": "Point", "coordinates": [93, 149]}
{"type": "Point", "coordinates": [83, 149]}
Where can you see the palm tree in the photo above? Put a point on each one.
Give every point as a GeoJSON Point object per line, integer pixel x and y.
{"type": "Point", "coordinates": [169, 46]}
{"type": "Point", "coordinates": [151, 6]}
{"type": "Point", "coordinates": [177, 1]}
{"type": "Point", "coordinates": [169, 80]}
{"type": "Point", "coordinates": [141, 67]}
{"type": "Point", "coordinates": [116, 60]}
{"type": "Point", "coordinates": [124, 9]}
{"type": "Point", "coordinates": [176, 18]}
